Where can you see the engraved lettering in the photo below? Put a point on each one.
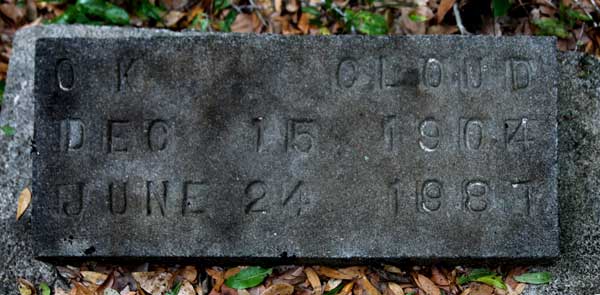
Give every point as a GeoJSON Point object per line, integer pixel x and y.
{"type": "Point", "coordinates": [391, 133]}
{"type": "Point", "coordinates": [526, 185]}
{"type": "Point", "coordinates": [160, 197]}
{"type": "Point", "coordinates": [119, 133]}
{"type": "Point", "coordinates": [519, 131]}
{"type": "Point", "coordinates": [395, 196]}
{"type": "Point", "coordinates": [124, 70]}
{"type": "Point", "coordinates": [347, 73]}
{"type": "Point", "coordinates": [73, 134]}
{"type": "Point", "coordinates": [473, 76]}
{"type": "Point", "coordinates": [195, 197]}
{"type": "Point", "coordinates": [430, 196]}
{"type": "Point", "coordinates": [65, 74]}
{"type": "Point", "coordinates": [300, 135]}
{"type": "Point", "coordinates": [520, 73]}
{"type": "Point", "coordinates": [255, 192]}
{"type": "Point", "coordinates": [432, 73]}
{"type": "Point", "coordinates": [259, 133]}
{"type": "Point", "coordinates": [117, 199]}
{"type": "Point", "coordinates": [475, 193]}
{"type": "Point", "coordinates": [429, 132]}
{"type": "Point", "coordinates": [70, 199]}
{"type": "Point", "coordinates": [158, 135]}
{"type": "Point", "coordinates": [295, 193]}
{"type": "Point", "coordinates": [472, 134]}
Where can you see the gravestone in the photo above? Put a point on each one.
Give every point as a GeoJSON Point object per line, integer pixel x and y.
{"type": "Point", "coordinates": [260, 147]}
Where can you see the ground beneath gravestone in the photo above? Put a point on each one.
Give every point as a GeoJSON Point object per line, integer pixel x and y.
{"type": "Point", "coordinates": [286, 280]}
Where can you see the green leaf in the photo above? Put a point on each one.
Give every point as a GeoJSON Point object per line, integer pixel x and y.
{"type": "Point", "coordinates": [551, 27]}
{"type": "Point", "coordinates": [45, 290]}
{"type": "Point", "coordinates": [248, 277]}
{"type": "Point", "coordinates": [492, 280]}
{"type": "Point", "coordinates": [225, 24]}
{"type": "Point", "coordinates": [311, 10]}
{"type": "Point", "coordinates": [220, 5]}
{"type": "Point", "coordinates": [501, 7]}
{"type": "Point", "coordinates": [366, 22]}
{"type": "Point", "coordinates": [116, 15]}
{"type": "Point", "coordinates": [93, 7]}
{"type": "Point", "coordinates": [535, 278]}
{"type": "Point", "coordinates": [2, 86]}
{"type": "Point", "coordinates": [8, 131]}
{"type": "Point", "coordinates": [175, 289]}
{"type": "Point", "coordinates": [417, 17]}
{"type": "Point", "coordinates": [411, 293]}
{"type": "Point", "coordinates": [576, 15]}
{"type": "Point", "coordinates": [334, 290]}
{"type": "Point", "coordinates": [473, 275]}
{"type": "Point", "coordinates": [93, 12]}
{"type": "Point", "coordinates": [200, 22]}
{"type": "Point", "coordinates": [73, 14]}
{"type": "Point", "coordinates": [147, 10]}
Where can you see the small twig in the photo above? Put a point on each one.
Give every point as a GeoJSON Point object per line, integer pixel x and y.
{"type": "Point", "coordinates": [260, 17]}
{"type": "Point", "coordinates": [595, 6]}
{"type": "Point", "coordinates": [550, 3]}
{"type": "Point", "coordinates": [579, 37]}
{"type": "Point", "coordinates": [459, 24]}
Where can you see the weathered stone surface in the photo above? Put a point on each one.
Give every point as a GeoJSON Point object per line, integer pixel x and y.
{"type": "Point", "coordinates": [244, 146]}
{"type": "Point", "coordinates": [577, 271]}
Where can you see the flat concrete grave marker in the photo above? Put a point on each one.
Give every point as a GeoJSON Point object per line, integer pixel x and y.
{"type": "Point", "coordinates": [259, 147]}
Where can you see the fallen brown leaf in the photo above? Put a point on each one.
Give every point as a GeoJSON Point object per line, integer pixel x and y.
{"type": "Point", "coordinates": [335, 274]}
{"type": "Point", "coordinates": [368, 287]}
{"type": "Point", "coordinates": [153, 282]}
{"type": "Point", "coordinates": [244, 23]}
{"type": "Point", "coordinates": [355, 271]}
{"type": "Point", "coordinates": [106, 284]}
{"type": "Point", "coordinates": [228, 291]}
{"type": "Point", "coordinates": [303, 23]}
{"type": "Point", "coordinates": [444, 7]}
{"type": "Point", "coordinates": [314, 280]}
{"type": "Point", "coordinates": [186, 289]}
{"type": "Point", "coordinates": [393, 269]}
{"type": "Point", "coordinates": [11, 11]}
{"type": "Point", "coordinates": [516, 271]}
{"type": "Point", "coordinates": [481, 289]}
{"type": "Point", "coordinates": [395, 289]}
{"type": "Point", "coordinates": [231, 272]}
{"type": "Point", "coordinates": [23, 202]}
{"type": "Point", "coordinates": [93, 277]}
{"type": "Point", "coordinates": [426, 284]}
{"type": "Point", "coordinates": [347, 289]}
{"type": "Point", "coordinates": [438, 277]}
{"type": "Point", "coordinates": [189, 273]}
{"type": "Point", "coordinates": [81, 289]}
{"type": "Point", "coordinates": [173, 17]}
{"type": "Point", "coordinates": [218, 278]}
{"type": "Point", "coordinates": [292, 276]}
{"type": "Point", "coordinates": [279, 289]}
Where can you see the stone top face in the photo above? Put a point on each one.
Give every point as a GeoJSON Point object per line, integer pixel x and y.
{"type": "Point", "coordinates": [243, 146]}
